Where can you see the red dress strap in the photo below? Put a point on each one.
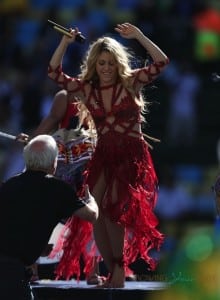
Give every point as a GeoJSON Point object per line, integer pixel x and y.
{"type": "Point", "coordinates": [152, 71]}
{"type": "Point", "coordinates": [63, 80]}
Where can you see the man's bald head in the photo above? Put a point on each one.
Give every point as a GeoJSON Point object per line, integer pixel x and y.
{"type": "Point", "coordinates": [41, 153]}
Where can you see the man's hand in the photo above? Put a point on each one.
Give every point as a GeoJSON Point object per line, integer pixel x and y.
{"type": "Point", "coordinates": [23, 138]}
{"type": "Point", "coordinates": [90, 211]}
{"type": "Point", "coordinates": [88, 197]}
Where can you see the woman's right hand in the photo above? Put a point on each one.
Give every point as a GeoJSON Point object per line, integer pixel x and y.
{"type": "Point", "coordinates": [74, 32]}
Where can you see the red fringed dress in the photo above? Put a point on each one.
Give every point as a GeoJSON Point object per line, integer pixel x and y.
{"type": "Point", "coordinates": [123, 154]}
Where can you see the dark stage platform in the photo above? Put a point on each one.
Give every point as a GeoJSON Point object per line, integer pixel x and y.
{"type": "Point", "coordinates": [66, 290]}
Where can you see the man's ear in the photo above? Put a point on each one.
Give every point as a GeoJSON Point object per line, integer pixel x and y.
{"type": "Point", "coordinates": [53, 168]}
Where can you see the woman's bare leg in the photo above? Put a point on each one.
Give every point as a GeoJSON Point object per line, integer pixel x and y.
{"type": "Point", "coordinates": [100, 231]}
{"type": "Point", "coordinates": [116, 235]}
{"type": "Point", "coordinates": [103, 242]}
{"type": "Point", "coordinates": [109, 237]}
{"type": "Point", "coordinates": [94, 277]}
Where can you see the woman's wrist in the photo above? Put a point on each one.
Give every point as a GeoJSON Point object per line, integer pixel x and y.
{"type": "Point", "coordinates": [140, 36]}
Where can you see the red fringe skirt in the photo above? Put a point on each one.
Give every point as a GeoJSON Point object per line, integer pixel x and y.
{"type": "Point", "coordinates": [126, 161]}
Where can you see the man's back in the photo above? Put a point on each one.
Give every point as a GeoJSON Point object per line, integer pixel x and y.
{"type": "Point", "coordinates": [30, 208]}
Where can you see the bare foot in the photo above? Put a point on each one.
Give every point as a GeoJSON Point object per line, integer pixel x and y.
{"type": "Point", "coordinates": [96, 279]}
{"type": "Point", "coordinates": [117, 280]}
{"type": "Point", "coordinates": [105, 283]}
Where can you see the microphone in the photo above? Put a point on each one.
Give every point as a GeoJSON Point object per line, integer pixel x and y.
{"type": "Point", "coordinates": [79, 37]}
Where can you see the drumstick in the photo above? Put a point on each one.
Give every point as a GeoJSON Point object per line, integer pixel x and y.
{"type": "Point", "coordinates": [8, 136]}
{"type": "Point", "coordinates": [12, 137]}
{"type": "Point", "coordinates": [79, 37]}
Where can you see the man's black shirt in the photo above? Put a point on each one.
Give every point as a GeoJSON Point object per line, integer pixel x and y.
{"type": "Point", "coordinates": [31, 205]}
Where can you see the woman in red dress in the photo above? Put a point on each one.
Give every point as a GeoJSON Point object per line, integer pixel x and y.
{"type": "Point", "coordinates": [121, 174]}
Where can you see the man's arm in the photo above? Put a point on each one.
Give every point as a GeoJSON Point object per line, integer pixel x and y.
{"type": "Point", "coordinates": [51, 122]}
{"type": "Point", "coordinates": [56, 114]}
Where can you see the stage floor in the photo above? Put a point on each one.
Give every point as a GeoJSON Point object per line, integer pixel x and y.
{"type": "Point", "coordinates": [58, 289]}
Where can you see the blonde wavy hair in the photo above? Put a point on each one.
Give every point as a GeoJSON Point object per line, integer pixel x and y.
{"type": "Point", "coordinates": [123, 58]}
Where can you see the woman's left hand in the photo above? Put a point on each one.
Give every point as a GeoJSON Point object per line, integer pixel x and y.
{"type": "Point", "coordinates": [127, 30]}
